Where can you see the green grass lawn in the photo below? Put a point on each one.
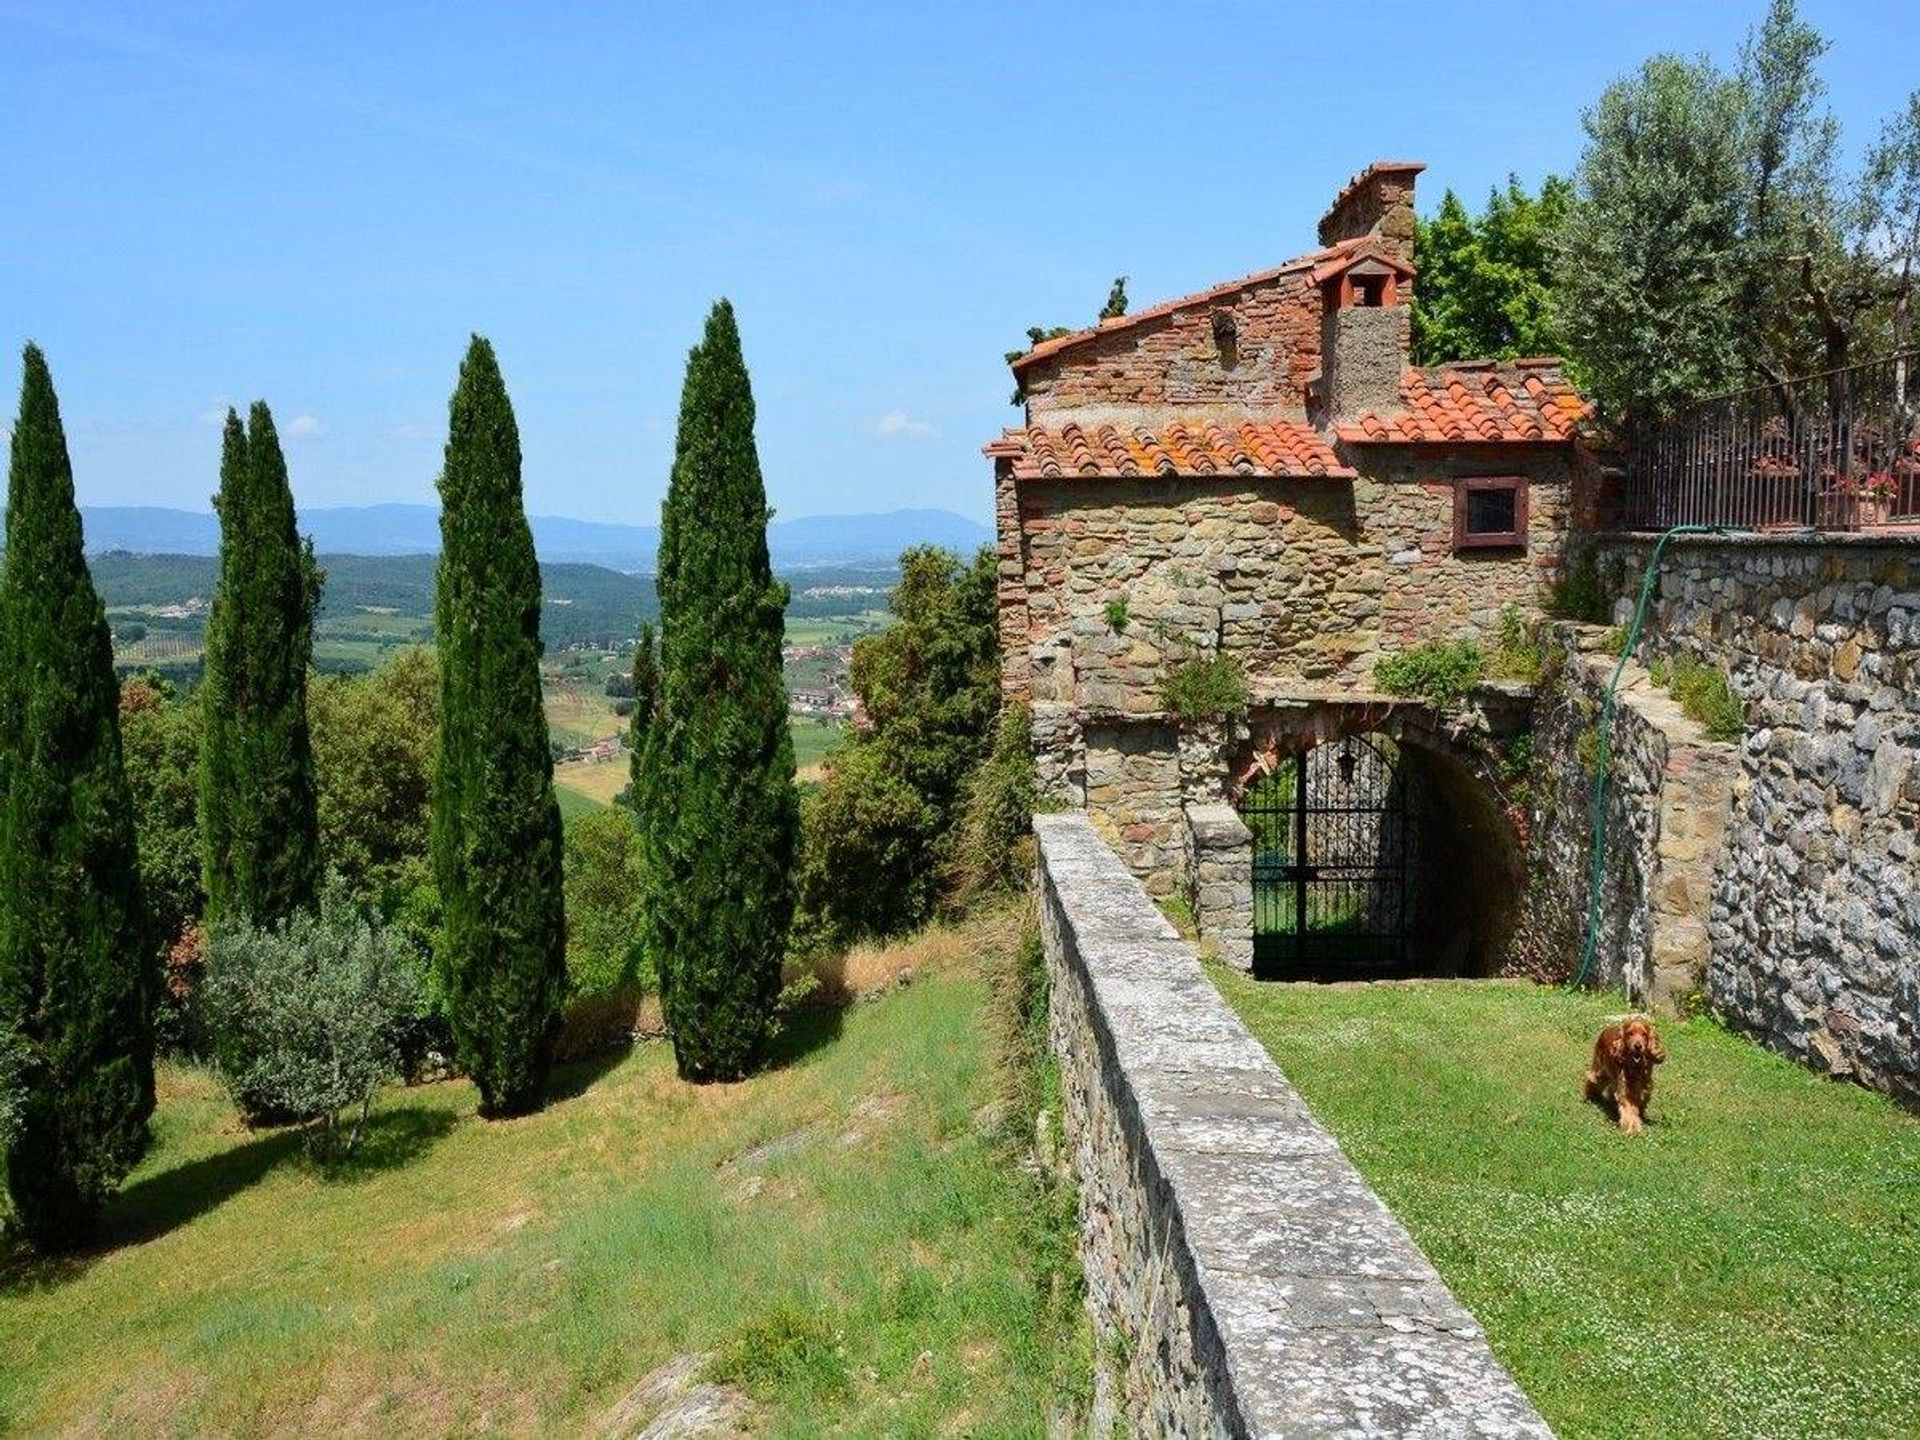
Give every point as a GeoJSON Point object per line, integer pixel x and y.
{"type": "Point", "coordinates": [1748, 1267]}
{"type": "Point", "coordinates": [870, 1268]}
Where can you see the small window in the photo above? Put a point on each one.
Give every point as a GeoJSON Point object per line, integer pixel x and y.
{"type": "Point", "coordinates": [1490, 513]}
{"type": "Point", "coordinates": [1370, 290]}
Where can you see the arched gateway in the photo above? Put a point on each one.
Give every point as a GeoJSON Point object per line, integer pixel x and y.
{"type": "Point", "coordinates": [1333, 833]}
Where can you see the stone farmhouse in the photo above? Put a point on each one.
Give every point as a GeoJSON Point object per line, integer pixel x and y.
{"type": "Point", "coordinates": [1256, 477]}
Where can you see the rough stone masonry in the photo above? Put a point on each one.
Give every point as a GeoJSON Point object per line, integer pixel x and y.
{"type": "Point", "coordinates": [1242, 1277]}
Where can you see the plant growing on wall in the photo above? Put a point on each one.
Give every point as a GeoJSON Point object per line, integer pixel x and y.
{"type": "Point", "coordinates": [1516, 650]}
{"type": "Point", "coordinates": [1440, 672]}
{"type": "Point", "coordinates": [1705, 694]}
{"type": "Point", "coordinates": [1205, 688]}
{"type": "Point", "coordinates": [1117, 614]}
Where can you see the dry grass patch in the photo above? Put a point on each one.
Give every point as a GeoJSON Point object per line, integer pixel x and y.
{"type": "Point", "coordinates": [521, 1277]}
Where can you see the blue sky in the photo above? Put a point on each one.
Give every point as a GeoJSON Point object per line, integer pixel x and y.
{"type": "Point", "coordinates": [317, 203]}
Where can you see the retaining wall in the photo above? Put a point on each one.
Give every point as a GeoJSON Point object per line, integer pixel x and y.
{"type": "Point", "coordinates": [1814, 916]}
{"type": "Point", "coordinates": [1243, 1278]}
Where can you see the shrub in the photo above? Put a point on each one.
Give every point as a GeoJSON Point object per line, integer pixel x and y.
{"type": "Point", "coordinates": [1117, 614]}
{"type": "Point", "coordinates": [1015, 1019]}
{"type": "Point", "coordinates": [1441, 672]}
{"type": "Point", "coordinates": [315, 1007]}
{"type": "Point", "coordinates": [1516, 651]}
{"type": "Point", "coordinates": [878, 837]}
{"type": "Point", "coordinates": [996, 814]}
{"type": "Point", "coordinates": [1706, 697]}
{"type": "Point", "coordinates": [1211, 689]}
{"type": "Point", "coordinates": [866, 847]}
{"type": "Point", "coordinates": [1578, 594]}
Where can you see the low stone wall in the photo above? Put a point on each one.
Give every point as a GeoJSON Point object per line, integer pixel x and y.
{"type": "Point", "coordinates": [1243, 1278]}
{"type": "Point", "coordinates": [1814, 919]}
{"type": "Point", "coordinates": [1669, 791]}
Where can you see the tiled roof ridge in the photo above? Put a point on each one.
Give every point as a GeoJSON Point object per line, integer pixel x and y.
{"type": "Point", "coordinates": [1309, 261]}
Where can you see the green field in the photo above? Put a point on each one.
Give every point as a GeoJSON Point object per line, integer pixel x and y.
{"type": "Point", "coordinates": [837, 1233]}
{"type": "Point", "coordinates": [1749, 1266]}
{"type": "Point", "coordinates": [812, 740]}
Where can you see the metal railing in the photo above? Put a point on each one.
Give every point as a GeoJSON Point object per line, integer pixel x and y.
{"type": "Point", "coordinates": [1838, 451]}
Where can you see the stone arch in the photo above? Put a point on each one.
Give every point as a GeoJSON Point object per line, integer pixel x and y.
{"type": "Point", "coordinates": [1468, 879]}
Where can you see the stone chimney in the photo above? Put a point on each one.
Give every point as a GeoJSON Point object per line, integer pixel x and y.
{"type": "Point", "coordinates": [1378, 202]}
{"type": "Point", "coordinates": [1366, 327]}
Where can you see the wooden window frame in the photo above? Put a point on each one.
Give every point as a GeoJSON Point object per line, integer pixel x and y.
{"type": "Point", "coordinates": [1514, 539]}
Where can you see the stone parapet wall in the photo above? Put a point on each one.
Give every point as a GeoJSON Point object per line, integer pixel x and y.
{"type": "Point", "coordinates": [1669, 791]}
{"type": "Point", "coordinates": [1242, 1277]}
{"type": "Point", "coordinates": [1814, 918]}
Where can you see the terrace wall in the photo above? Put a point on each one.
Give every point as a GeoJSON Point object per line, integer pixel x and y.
{"type": "Point", "coordinates": [1813, 911]}
{"type": "Point", "coordinates": [1243, 1279]}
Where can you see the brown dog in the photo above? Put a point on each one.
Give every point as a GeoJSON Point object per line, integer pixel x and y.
{"type": "Point", "coordinates": [1622, 1070]}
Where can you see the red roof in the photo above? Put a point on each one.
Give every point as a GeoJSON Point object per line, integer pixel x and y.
{"type": "Point", "coordinates": [1247, 447]}
{"type": "Point", "coordinates": [1523, 400]}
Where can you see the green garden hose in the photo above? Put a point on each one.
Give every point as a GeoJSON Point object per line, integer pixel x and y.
{"type": "Point", "coordinates": [1595, 870]}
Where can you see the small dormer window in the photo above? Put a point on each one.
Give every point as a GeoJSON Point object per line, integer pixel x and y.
{"type": "Point", "coordinates": [1370, 290]}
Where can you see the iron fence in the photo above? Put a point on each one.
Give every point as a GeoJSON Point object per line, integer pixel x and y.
{"type": "Point", "coordinates": [1839, 451]}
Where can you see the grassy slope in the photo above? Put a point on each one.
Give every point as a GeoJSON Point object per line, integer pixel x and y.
{"type": "Point", "coordinates": [1750, 1266]}
{"type": "Point", "coordinates": [521, 1276]}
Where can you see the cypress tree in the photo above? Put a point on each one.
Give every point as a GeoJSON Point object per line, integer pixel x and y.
{"type": "Point", "coordinates": [496, 824]}
{"type": "Point", "coordinates": [259, 808]}
{"type": "Point", "coordinates": [78, 975]}
{"type": "Point", "coordinates": [715, 793]}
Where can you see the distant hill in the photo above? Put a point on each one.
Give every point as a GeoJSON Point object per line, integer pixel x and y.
{"type": "Point", "coordinates": [415, 530]}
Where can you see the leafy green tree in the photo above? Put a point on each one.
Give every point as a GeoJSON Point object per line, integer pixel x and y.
{"type": "Point", "coordinates": [1712, 243]}
{"type": "Point", "coordinates": [496, 824]}
{"type": "Point", "coordinates": [1486, 281]}
{"type": "Point", "coordinates": [374, 738]}
{"type": "Point", "coordinates": [1649, 259]}
{"type": "Point", "coordinates": [879, 831]}
{"type": "Point", "coordinates": [259, 818]}
{"type": "Point", "coordinates": [77, 971]}
{"type": "Point", "coordinates": [603, 901]}
{"type": "Point", "coordinates": [160, 743]}
{"type": "Point", "coordinates": [714, 785]}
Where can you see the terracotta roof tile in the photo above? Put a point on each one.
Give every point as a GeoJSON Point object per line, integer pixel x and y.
{"type": "Point", "coordinates": [1520, 401]}
{"type": "Point", "coordinates": [1248, 447]}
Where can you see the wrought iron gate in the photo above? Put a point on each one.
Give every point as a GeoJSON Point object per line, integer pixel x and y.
{"type": "Point", "coordinates": [1331, 838]}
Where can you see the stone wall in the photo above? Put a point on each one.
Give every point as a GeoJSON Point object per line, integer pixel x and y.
{"type": "Point", "coordinates": [1241, 1276]}
{"type": "Point", "coordinates": [1814, 920]}
{"type": "Point", "coordinates": [1669, 789]}
{"type": "Point", "coordinates": [1178, 359]}
{"type": "Point", "coordinates": [1303, 582]}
